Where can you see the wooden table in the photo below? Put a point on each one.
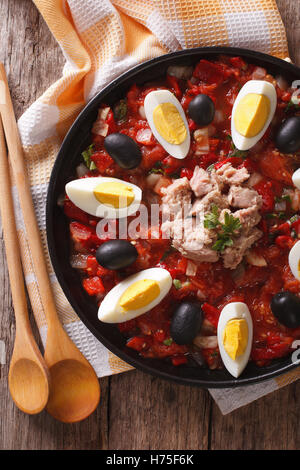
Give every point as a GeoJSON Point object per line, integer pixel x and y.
{"type": "Point", "coordinates": [137, 411]}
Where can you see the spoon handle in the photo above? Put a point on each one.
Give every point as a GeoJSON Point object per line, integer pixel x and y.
{"type": "Point", "coordinates": [11, 240]}
{"type": "Point", "coordinates": [20, 173]}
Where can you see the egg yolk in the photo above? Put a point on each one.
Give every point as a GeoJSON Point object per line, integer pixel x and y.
{"type": "Point", "coordinates": [235, 337]}
{"type": "Point", "coordinates": [114, 194]}
{"type": "Point", "coordinates": [251, 114]}
{"type": "Point", "coordinates": [169, 123]}
{"type": "Point", "coordinates": [139, 294]}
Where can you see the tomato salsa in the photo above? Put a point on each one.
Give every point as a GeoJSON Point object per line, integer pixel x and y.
{"type": "Point", "coordinates": [265, 269]}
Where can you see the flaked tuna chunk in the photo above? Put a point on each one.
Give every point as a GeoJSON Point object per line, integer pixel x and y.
{"type": "Point", "coordinates": [249, 217]}
{"type": "Point", "coordinates": [176, 197]}
{"type": "Point", "coordinates": [200, 182]}
{"type": "Point", "coordinates": [204, 204]}
{"type": "Point", "coordinates": [234, 254]}
{"type": "Point", "coordinates": [196, 242]}
{"type": "Point", "coordinates": [241, 197]}
{"type": "Point", "coordinates": [229, 175]}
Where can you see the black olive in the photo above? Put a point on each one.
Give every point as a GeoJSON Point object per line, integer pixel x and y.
{"type": "Point", "coordinates": [123, 149]}
{"type": "Point", "coordinates": [286, 308]}
{"type": "Point", "coordinates": [116, 254]}
{"type": "Point", "coordinates": [288, 135]}
{"type": "Point", "coordinates": [186, 322]}
{"type": "Point", "coordinates": [202, 110]}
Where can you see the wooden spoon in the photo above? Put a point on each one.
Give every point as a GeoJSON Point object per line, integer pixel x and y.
{"type": "Point", "coordinates": [75, 390]}
{"type": "Point", "coordinates": [28, 374]}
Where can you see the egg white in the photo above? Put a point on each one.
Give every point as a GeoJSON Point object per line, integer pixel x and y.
{"type": "Point", "coordinates": [153, 99]}
{"type": "Point", "coordinates": [81, 194]}
{"type": "Point", "coordinates": [294, 257]}
{"type": "Point", "coordinates": [235, 310]}
{"type": "Point", "coordinates": [296, 178]}
{"type": "Point", "coordinates": [259, 87]}
{"type": "Point", "coordinates": [111, 312]}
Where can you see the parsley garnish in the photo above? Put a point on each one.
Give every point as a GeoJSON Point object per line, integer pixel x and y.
{"type": "Point", "coordinates": [235, 151]}
{"type": "Point", "coordinates": [225, 231]}
{"type": "Point", "coordinates": [292, 106]}
{"type": "Point", "coordinates": [284, 197]}
{"type": "Point", "coordinates": [177, 284]}
{"type": "Point", "coordinates": [168, 341]}
{"type": "Point", "coordinates": [120, 110]}
{"type": "Point", "coordinates": [86, 154]}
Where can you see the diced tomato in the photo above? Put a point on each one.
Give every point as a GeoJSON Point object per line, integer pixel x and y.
{"type": "Point", "coordinates": [275, 166]}
{"type": "Point", "coordinates": [132, 98]}
{"type": "Point", "coordinates": [73, 212]}
{"type": "Point", "coordinates": [285, 242]}
{"type": "Point", "coordinates": [238, 62]}
{"type": "Point", "coordinates": [102, 160]}
{"type": "Point", "coordinates": [235, 161]}
{"type": "Point", "coordinates": [192, 125]}
{"type": "Point", "coordinates": [151, 155]}
{"type": "Point", "coordinates": [208, 72]}
{"type": "Point", "coordinates": [179, 360]}
{"type": "Point", "coordinates": [186, 172]}
{"type": "Point", "coordinates": [264, 188]}
{"type": "Point", "coordinates": [110, 120]}
{"type": "Point", "coordinates": [173, 83]}
{"type": "Point", "coordinates": [175, 264]}
{"type": "Point", "coordinates": [127, 326]}
{"type": "Point", "coordinates": [211, 313]}
{"type": "Point", "coordinates": [138, 343]}
{"type": "Point", "coordinates": [171, 164]}
{"type": "Point", "coordinates": [93, 285]}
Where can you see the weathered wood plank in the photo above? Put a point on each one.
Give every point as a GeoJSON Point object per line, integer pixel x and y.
{"type": "Point", "coordinates": [144, 412]}
{"type": "Point", "coordinates": [33, 61]}
{"type": "Point", "coordinates": [148, 413]}
{"type": "Point", "coordinates": [268, 423]}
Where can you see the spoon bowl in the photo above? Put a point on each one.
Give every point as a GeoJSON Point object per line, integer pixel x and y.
{"type": "Point", "coordinates": [28, 385]}
{"type": "Point", "coordinates": [75, 391]}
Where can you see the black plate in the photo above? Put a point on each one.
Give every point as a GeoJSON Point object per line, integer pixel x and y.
{"type": "Point", "coordinates": [77, 139]}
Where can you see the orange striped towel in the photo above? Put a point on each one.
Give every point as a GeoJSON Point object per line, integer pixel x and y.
{"type": "Point", "coordinates": [101, 39]}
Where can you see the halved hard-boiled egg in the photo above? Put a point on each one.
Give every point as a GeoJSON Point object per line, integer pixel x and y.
{"type": "Point", "coordinates": [252, 113]}
{"type": "Point", "coordinates": [235, 333]}
{"type": "Point", "coordinates": [294, 260]}
{"type": "Point", "coordinates": [105, 197]}
{"type": "Point", "coordinates": [135, 295]}
{"type": "Point", "coordinates": [296, 178]}
{"type": "Point", "coordinates": [168, 122]}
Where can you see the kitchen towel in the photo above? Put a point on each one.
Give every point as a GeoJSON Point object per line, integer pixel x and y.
{"type": "Point", "coordinates": [100, 39]}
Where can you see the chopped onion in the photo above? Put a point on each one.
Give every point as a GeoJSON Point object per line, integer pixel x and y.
{"type": "Point", "coordinates": [191, 268]}
{"type": "Point", "coordinates": [81, 170]}
{"type": "Point", "coordinates": [255, 259]}
{"type": "Point", "coordinates": [295, 198]}
{"type": "Point", "coordinates": [144, 136]}
{"type": "Point", "coordinates": [280, 206]}
{"type": "Point", "coordinates": [219, 116]}
{"type": "Point", "coordinates": [206, 341]}
{"type": "Point", "coordinates": [201, 295]}
{"type": "Point", "coordinates": [100, 128]}
{"type": "Point", "coordinates": [78, 261]}
{"type": "Point", "coordinates": [259, 73]}
{"type": "Point", "coordinates": [202, 140]}
{"type": "Point", "coordinates": [282, 83]}
{"type": "Point", "coordinates": [254, 179]}
{"type": "Point", "coordinates": [152, 179]}
{"type": "Point", "coordinates": [142, 112]}
{"type": "Point", "coordinates": [102, 113]}
{"type": "Point", "coordinates": [180, 71]}
{"type": "Point", "coordinates": [207, 329]}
